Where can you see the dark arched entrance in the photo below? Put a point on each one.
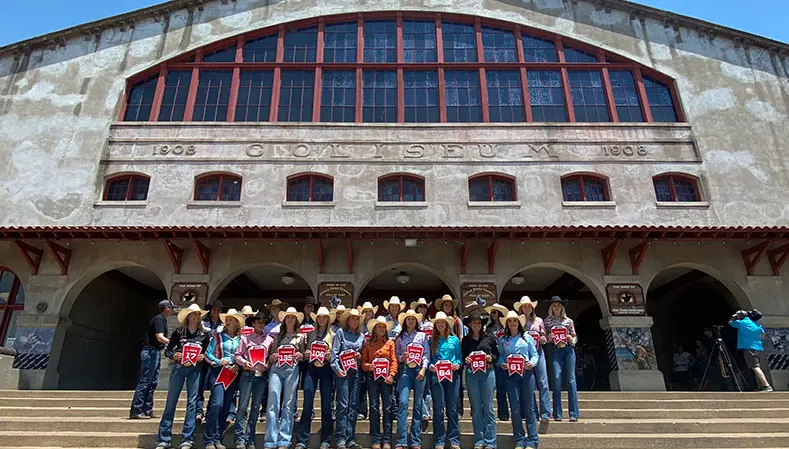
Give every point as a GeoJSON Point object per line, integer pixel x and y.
{"type": "Point", "coordinates": [101, 347]}
{"type": "Point", "coordinates": [262, 284]}
{"type": "Point", "coordinates": [407, 281]}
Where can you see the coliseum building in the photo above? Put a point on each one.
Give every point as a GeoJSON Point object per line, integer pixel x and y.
{"type": "Point", "coordinates": [627, 158]}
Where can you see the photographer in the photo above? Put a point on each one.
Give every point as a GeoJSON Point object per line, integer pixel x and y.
{"type": "Point", "coordinates": [749, 341]}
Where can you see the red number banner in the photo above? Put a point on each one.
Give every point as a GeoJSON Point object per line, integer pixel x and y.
{"type": "Point", "coordinates": [257, 356]}
{"type": "Point", "coordinates": [536, 336]}
{"type": "Point", "coordinates": [444, 370]}
{"type": "Point", "coordinates": [247, 330]}
{"type": "Point", "coordinates": [190, 353]}
{"type": "Point", "coordinates": [348, 360]}
{"type": "Point", "coordinates": [226, 377]}
{"type": "Point", "coordinates": [286, 355]}
{"type": "Point", "coordinates": [380, 368]}
{"type": "Point", "coordinates": [479, 362]}
{"type": "Point", "coordinates": [559, 336]}
{"type": "Point", "coordinates": [318, 351]}
{"type": "Point", "coordinates": [500, 333]}
{"type": "Point", "coordinates": [515, 364]}
{"type": "Point", "coordinates": [415, 353]}
{"type": "Point", "coordinates": [428, 332]}
{"type": "Point", "coordinates": [306, 328]}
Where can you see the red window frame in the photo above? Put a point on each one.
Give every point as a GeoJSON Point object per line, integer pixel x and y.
{"type": "Point", "coordinates": [580, 177]}
{"type": "Point", "coordinates": [680, 176]}
{"type": "Point", "coordinates": [401, 178]}
{"type": "Point", "coordinates": [132, 177]}
{"type": "Point", "coordinates": [8, 309]}
{"type": "Point", "coordinates": [491, 177]}
{"type": "Point", "coordinates": [312, 177]}
{"type": "Point", "coordinates": [194, 61]}
{"type": "Point", "coordinates": [221, 177]}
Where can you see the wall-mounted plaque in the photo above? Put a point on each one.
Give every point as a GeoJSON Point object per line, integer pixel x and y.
{"type": "Point", "coordinates": [626, 299]}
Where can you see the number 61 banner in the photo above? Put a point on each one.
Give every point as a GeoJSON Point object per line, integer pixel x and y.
{"type": "Point", "coordinates": [380, 368]}
{"type": "Point", "coordinates": [479, 362]}
{"type": "Point", "coordinates": [444, 370]}
{"type": "Point", "coordinates": [515, 364]}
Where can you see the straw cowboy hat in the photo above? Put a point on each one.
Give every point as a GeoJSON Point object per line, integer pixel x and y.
{"type": "Point", "coordinates": [420, 302]}
{"type": "Point", "coordinates": [440, 302]}
{"type": "Point", "coordinates": [291, 312]}
{"type": "Point", "coordinates": [339, 312]}
{"type": "Point", "coordinates": [376, 321]}
{"type": "Point", "coordinates": [497, 307]}
{"type": "Point", "coordinates": [233, 313]}
{"type": "Point", "coordinates": [524, 301]}
{"type": "Point", "coordinates": [247, 311]}
{"type": "Point", "coordinates": [368, 306]}
{"type": "Point", "coordinates": [349, 313]}
{"type": "Point", "coordinates": [441, 316]}
{"type": "Point", "coordinates": [410, 313]}
{"type": "Point", "coordinates": [513, 315]}
{"type": "Point", "coordinates": [185, 312]}
{"type": "Point", "coordinates": [323, 311]}
{"type": "Point", "coordinates": [471, 308]}
{"type": "Point", "coordinates": [393, 301]}
{"type": "Point", "coordinates": [554, 299]}
{"type": "Point", "coordinates": [276, 303]}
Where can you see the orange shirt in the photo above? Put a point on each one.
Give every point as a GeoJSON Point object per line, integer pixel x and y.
{"type": "Point", "coordinates": [379, 349]}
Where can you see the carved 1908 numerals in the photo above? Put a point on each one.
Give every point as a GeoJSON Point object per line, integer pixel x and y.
{"type": "Point", "coordinates": [624, 150]}
{"type": "Point", "coordinates": [175, 150]}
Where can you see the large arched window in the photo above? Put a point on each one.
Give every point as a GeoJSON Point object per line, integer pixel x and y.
{"type": "Point", "coordinates": [12, 300]}
{"type": "Point", "coordinates": [126, 187]}
{"type": "Point", "coordinates": [401, 68]}
{"type": "Point", "coordinates": [401, 188]}
{"type": "Point", "coordinates": [676, 187]}
{"type": "Point", "coordinates": [310, 188]}
{"type": "Point", "coordinates": [218, 187]}
{"type": "Point", "coordinates": [585, 187]}
{"type": "Point", "coordinates": [491, 187]}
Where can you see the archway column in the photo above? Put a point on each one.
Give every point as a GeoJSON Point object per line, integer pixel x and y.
{"type": "Point", "coordinates": [631, 354]}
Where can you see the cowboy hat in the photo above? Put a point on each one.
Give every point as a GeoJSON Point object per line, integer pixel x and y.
{"type": "Point", "coordinates": [441, 316]}
{"type": "Point", "coordinates": [339, 311]}
{"type": "Point", "coordinates": [380, 320]}
{"type": "Point", "coordinates": [554, 299]}
{"type": "Point", "coordinates": [497, 307]}
{"type": "Point", "coordinates": [233, 313]}
{"type": "Point", "coordinates": [310, 300]}
{"type": "Point", "coordinates": [277, 303]}
{"type": "Point", "coordinates": [409, 313]}
{"type": "Point", "coordinates": [368, 306]}
{"type": "Point", "coordinates": [471, 308]}
{"type": "Point", "coordinates": [323, 311]}
{"type": "Point", "coordinates": [420, 302]}
{"type": "Point", "coordinates": [247, 311]}
{"type": "Point", "coordinates": [439, 304]}
{"type": "Point", "coordinates": [393, 301]}
{"type": "Point", "coordinates": [349, 313]}
{"type": "Point", "coordinates": [291, 312]}
{"type": "Point", "coordinates": [524, 301]}
{"type": "Point", "coordinates": [215, 303]}
{"type": "Point", "coordinates": [513, 315]}
{"type": "Point", "coordinates": [185, 312]}
{"type": "Point", "coordinates": [475, 315]}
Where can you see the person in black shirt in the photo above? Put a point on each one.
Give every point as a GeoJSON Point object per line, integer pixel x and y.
{"type": "Point", "coordinates": [150, 361]}
{"type": "Point", "coordinates": [481, 382]}
{"type": "Point", "coordinates": [185, 371]}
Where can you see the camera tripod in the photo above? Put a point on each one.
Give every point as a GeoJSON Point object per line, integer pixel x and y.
{"type": "Point", "coordinates": [730, 368]}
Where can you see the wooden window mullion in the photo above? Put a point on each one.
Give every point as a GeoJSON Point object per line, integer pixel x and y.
{"type": "Point", "coordinates": [609, 91]}
{"type": "Point", "coordinates": [316, 93]}
{"type": "Point", "coordinates": [442, 86]}
{"type": "Point", "coordinates": [236, 81]}
{"type": "Point", "coordinates": [402, 188]}
{"type": "Point", "coordinates": [642, 95]}
{"type": "Point", "coordinates": [277, 85]}
{"type": "Point", "coordinates": [568, 97]}
{"type": "Point", "coordinates": [674, 196]}
{"type": "Point", "coordinates": [359, 74]}
{"type": "Point", "coordinates": [523, 75]}
{"type": "Point", "coordinates": [129, 187]}
{"type": "Point", "coordinates": [195, 81]}
{"type": "Point", "coordinates": [312, 185]}
{"type": "Point", "coordinates": [490, 186]}
{"type": "Point", "coordinates": [156, 107]}
{"type": "Point", "coordinates": [400, 75]}
{"type": "Point", "coordinates": [583, 189]}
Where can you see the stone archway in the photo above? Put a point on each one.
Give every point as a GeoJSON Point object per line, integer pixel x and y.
{"type": "Point", "coordinates": [259, 284]}
{"type": "Point", "coordinates": [408, 280]}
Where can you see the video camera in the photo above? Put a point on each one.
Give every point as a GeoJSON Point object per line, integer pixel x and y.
{"type": "Point", "coordinates": [753, 314]}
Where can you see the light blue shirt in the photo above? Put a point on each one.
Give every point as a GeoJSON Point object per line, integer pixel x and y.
{"type": "Point", "coordinates": [229, 346]}
{"type": "Point", "coordinates": [396, 328]}
{"type": "Point", "coordinates": [749, 334]}
{"type": "Point", "coordinates": [447, 348]}
{"type": "Point", "coordinates": [417, 338]}
{"type": "Point", "coordinates": [345, 340]}
{"type": "Point", "coordinates": [521, 345]}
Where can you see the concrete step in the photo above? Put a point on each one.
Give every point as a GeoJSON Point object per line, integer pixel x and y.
{"type": "Point", "coordinates": [41, 438]}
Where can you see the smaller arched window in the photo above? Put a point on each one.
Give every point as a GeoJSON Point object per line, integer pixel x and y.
{"type": "Point", "coordinates": [677, 188]}
{"type": "Point", "coordinates": [585, 187]}
{"type": "Point", "coordinates": [399, 188]}
{"type": "Point", "coordinates": [491, 188]}
{"type": "Point", "coordinates": [218, 187]}
{"type": "Point", "coordinates": [310, 188]}
{"type": "Point", "coordinates": [126, 187]}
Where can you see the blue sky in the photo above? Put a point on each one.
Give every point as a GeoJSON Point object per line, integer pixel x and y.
{"type": "Point", "coordinates": [23, 20]}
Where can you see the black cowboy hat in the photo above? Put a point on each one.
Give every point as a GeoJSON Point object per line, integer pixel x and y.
{"type": "Point", "coordinates": [554, 299]}
{"type": "Point", "coordinates": [475, 315]}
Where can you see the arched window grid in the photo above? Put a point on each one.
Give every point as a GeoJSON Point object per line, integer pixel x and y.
{"type": "Point", "coordinates": [493, 187]}
{"type": "Point", "coordinates": [218, 187]}
{"type": "Point", "coordinates": [676, 187]}
{"type": "Point", "coordinates": [401, 188]}
{"type": "Point", "coordinates": [126, 187]}
{"type": "Point", "coordinates": [310, 187]}
{"type": "Point", "coordinates": [208, 86]}
{"type": "Point", "coordinates": [585, 187]}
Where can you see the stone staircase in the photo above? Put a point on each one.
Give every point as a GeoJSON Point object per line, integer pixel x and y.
{"type": "Point", "coordinates": [82, 419]}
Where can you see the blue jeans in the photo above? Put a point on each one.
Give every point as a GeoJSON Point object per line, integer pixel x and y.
{"type": "Point", "coordinates": [218, 407]}
{"type": "Point", "coordinates": [380, 395]}
{"type": "Point", "coordinates": [427, 409]}
{"type": "Point", "coordinates": [563, 360]}
{"type": "Point", "coordinates": [407, 383]}
{"type": "Point", "coordinates": [283, 383]}
{"type": "Point", "coordinates": [445, 397]}
{"type": "Point", "coordinates": [480, 394]}
{"type": "Point", "coordinates": [142, 403]}
{"type": "Point", "coordinates": [363, 409]}
{"type": "Point", "coordinates": [250, 387]}
{"type": "Point", "coordinates": [202, 386]}
{"type": "Point", "coordinates": [347, 407]}
{"type": "Point", "coordinates": [178, 377]}
{"type": "Point", "coordinates": [541, 378]}
{"type": "Point", "coordinates": [317, 377]}
{"type": "Point", "coordinates": [501, 393]}
{"type": "Point", "coordinates": [520, 391]}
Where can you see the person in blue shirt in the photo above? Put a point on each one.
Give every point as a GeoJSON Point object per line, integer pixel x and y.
{"type": "Point", "coordinates": [749, 341]}
{"type": "Point", "coordinates": [445, 347]}
{"type": "Point", "coordinates": [520, 388]}
{"type": "Point", "coordinates": [348, 339]}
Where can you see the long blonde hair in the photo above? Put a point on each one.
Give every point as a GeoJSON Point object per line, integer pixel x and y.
{"type": "Point", "coordinates": [562, 315]}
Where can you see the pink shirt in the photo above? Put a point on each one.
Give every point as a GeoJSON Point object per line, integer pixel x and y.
{"type": "Point", "coordinates": [253, 339]}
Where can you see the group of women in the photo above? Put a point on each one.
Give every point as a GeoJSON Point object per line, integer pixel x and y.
{"type": "Point", "coordinates": [401, 356]}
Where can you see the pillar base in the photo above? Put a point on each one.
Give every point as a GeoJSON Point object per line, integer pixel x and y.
{"type": "Point", "coordinates": [9, 377]}
{"type": "Point", "coordinates": [780, 379]}
{"type": "Point", "coordinates": [637, 380]}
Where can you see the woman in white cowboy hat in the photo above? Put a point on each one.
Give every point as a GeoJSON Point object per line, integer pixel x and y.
{"type": "Point", "coordinates": [221, 354]}
{"type": "Point", "coordinates": [348, 343]}
{"type": "Point", "coordinates": [481, 383]}
{"type": "Point", "coordinates": [338, 313]}
{"type": "Point", "coordinates": [445, 347]}
{"type": "Point", "coordinates": [562, 339]}
{"type": "Point", "coordinates": [426, 326]}
{"type": "Point", "coordinates": [319, 376]}
{"type": "Point", "coordinates": [495, 328]}
{"type": "Point", "coordinates": [284, 380]}
{"type": "Point", "coordinates": [368, 313]}
{"type": "Point", "coordinates": [380, 347]}
{"type": "Point", "coordinates": [412, 377]}
{"type": "Point", "coordinates": [448, 304]}
{"type": "Point", "coordinates": [536, 328]}
{"type": "Point", "coordinates": [190, 332]}
{"type": "Point", "coordinates": [520, 387]}
{"type": "Point", "coordinates": [394, 307]}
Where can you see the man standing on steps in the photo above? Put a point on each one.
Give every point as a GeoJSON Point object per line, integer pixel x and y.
{"type": "Point", "coordinates": [749, 341]}
{"type": "Point", "coordinates": [150, 361]}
